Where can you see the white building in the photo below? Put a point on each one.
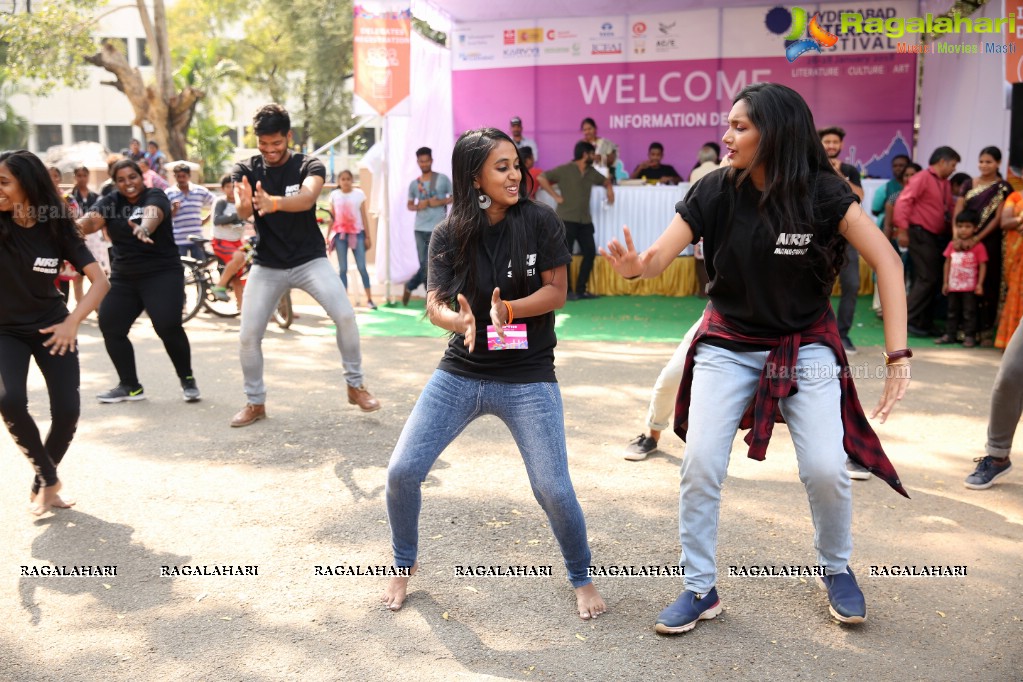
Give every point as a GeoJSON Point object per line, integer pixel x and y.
{"type": "Point", "coordinates": [100, 113]}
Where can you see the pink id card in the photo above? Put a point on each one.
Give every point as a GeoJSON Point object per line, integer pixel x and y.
{"type": "Point", "coordinates": [514, 337]}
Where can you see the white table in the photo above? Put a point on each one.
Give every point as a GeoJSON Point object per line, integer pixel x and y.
{"type": "Point", "coordinates": [647, 210]}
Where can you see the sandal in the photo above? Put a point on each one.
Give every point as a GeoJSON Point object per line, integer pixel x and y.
{"type": "Point", "coordinates": [944, 339]}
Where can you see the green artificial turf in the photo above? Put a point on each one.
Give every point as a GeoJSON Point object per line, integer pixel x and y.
{"type": "Point", "coordinates": [649, 319]}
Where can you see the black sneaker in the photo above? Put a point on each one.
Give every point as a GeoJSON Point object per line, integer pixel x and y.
{"type": "Point", "coordinates": [190, 390]}
{"type": "Point", "coordinates": [989, 470]}
{"type": "Point", "coordinates": [639, 447]}
{"type": "Point", "coordinates": [847, 343]}
{"type": "Point", "coordinates": [121, 393]}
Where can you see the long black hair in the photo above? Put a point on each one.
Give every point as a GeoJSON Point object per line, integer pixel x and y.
{"type": "Point", "coordinates": [44, 202]}
{"type": "Point", "coordinates": [467, 222]}
{"type": "Point", "coordinates": [796, 168]}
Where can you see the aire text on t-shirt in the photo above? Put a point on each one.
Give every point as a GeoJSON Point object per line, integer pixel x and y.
{"type": "Point", "coordinates": [29, 264]}
{"type": "Point", "coordinates": [766, 284]}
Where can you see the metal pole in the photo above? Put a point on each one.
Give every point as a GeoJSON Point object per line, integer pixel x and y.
{"type": "Point", "coordinates": [385, 211]}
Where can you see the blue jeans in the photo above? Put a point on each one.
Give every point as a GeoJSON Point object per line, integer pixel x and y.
{"type": "Point", "coordinates": [341, 246]}
{"type": "Point", "coordinates": [191, 249]}
{"type": "Point", "coordinates": [264, 288]}
{"type": "Point", "coordinates": [535, 417]}
{"type": "Point", "coordinates": [423, 249]}
{"type": "Point", "coordinates": [723, 383]}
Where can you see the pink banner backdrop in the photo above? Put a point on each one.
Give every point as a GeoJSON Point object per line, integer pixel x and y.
{"type": "Point", "coordinates": [671, 79]}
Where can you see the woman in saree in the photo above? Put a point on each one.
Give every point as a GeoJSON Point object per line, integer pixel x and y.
{"type": "Point", "coordinates": [986, 195]}
{"type": "Point", "coordinates": [1010, 308]}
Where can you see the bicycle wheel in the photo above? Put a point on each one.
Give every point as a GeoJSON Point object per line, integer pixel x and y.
{"type": "Point", "coordinates": [219, 308]}
{"type": "Point", "coordinates": [284, 314]}
{"type": "Point", "coordinates": [195, 292]}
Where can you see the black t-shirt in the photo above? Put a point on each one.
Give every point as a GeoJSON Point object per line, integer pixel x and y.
{"type": "Point", "coordinates": [84, 203]}
{"type": "Point", "coordinates": [545, 250]}
{"type": "Point", "coordinates": [764, 284]}
{"type": "Point", "coordinates": [29, 263]}
{"type": "Point", "coordinates": [286, 240]}
{"type": "Point", "coordinates": [131, 257]}
{"type": "Point", "coordinates": [850, 173]}
{"type": "Point", "coordinates": [662, 171]}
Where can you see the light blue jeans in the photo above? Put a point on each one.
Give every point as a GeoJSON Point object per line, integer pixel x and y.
{"type": "Point", "coordinates": [535, 417]}
{"type": "Point", "coordinates": [724, 381]}
{"type": "Point", "coordinates": [264, 288]}
{"type": "Point", "coordinates": [341, 246]}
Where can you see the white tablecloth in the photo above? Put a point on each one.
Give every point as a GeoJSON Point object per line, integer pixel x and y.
{"type": "Point", "coordinates": [648, 209]}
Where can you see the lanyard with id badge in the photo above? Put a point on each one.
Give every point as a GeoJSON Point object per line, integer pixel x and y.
{"type": "Point", "coordinates": [515, 335]}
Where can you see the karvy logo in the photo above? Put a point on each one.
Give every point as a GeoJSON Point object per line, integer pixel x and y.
{"type": "Point", "coordinates": [791, 25]}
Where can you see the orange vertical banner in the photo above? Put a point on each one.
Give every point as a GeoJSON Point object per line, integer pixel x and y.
{"type": "Point", "coordinates": [382, 55]}
{"type": "Point", "coordinates": [1014, 41]}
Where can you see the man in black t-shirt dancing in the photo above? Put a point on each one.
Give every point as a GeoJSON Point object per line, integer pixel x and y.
{"type": "Point", "coordinates": [280, 189]}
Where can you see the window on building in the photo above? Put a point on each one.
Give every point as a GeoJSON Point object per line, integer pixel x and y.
{"type": "Point", "coordinates": [83, 133]}
{"type": "Point", "coordinates": [118, 137]}
{"type": "Point", "coordinates": [140, 47]}
{"type": "Point", "coordinates": [48, 136]}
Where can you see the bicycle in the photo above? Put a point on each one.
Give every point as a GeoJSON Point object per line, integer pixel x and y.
{"type": "Point", "coordinates": [201, 276]}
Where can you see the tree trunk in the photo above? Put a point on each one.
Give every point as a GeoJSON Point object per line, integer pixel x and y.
{"type": "Point", "coordinates": [169, 112]}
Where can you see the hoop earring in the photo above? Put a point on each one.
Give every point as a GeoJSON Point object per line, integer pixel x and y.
{"type": "Point", "coordinates": [484, 202]}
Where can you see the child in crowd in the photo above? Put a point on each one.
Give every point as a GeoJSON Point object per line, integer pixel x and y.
{"type": "Point", "coordinates": [228, 230]}
{"type": "Point", "coordinates": [348, 231]}
{"type": "Point", "coordinates": [964, 280]}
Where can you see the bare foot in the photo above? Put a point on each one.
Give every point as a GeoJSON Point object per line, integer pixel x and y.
{"type": "Point", "coordinates": [397, 587]}
{"type": "Point", "coordinates": [58, 502]}
{"type": "Point", "coordinates": [45, 499]}
{"type": "Point", "coordinates": [589, 602]}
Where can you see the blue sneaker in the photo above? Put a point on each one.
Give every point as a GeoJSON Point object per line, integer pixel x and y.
{"type": "Point", "coordinates": [847, 602]}
{"type": "Point", "coordinates": [682, 615]}
{"type": "Point", "coordinates": [989, 470]}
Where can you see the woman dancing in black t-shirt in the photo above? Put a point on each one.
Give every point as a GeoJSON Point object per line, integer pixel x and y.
{"type": "Point", "coordinates": [37, 234]}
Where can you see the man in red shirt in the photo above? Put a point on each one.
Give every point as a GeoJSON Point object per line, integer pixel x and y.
{"type": "Point", "coordinates": [923, 215]}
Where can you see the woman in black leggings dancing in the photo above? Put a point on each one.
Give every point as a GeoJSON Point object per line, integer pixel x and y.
{"type": "Point", "coordinates": [37, 234]}
{"type": "Point", "coordinates": [145, 274]}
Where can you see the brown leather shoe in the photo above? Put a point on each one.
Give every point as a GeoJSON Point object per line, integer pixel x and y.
{"type": "Point", "coordinates": [405, 296]}
{"type": "Point", "coordinates": [363, 398]}
{"type": "Point", "coordinates": [249, 414]}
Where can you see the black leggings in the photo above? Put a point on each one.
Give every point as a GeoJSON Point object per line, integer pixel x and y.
{"type": "Point", "coordinates": [162, 296]}
{"type": "Point", "coordinates": [62, 378]}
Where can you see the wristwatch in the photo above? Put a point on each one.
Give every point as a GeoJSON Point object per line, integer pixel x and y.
{"type": "Point", "coordinates": [889, 358]}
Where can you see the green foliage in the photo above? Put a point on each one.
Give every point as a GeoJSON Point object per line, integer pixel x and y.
{"type": "Point", "coordinates": [209, 145]}
{"type": "Point", "coordinates": [13, 128]}
{"type": "Point", "coordinates": [49, 45]}
{"type": "Point", "coordinates": [299, 54]}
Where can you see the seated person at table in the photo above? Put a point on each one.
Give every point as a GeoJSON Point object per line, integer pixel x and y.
{"type": "Point", "coordinates": [655, 172]}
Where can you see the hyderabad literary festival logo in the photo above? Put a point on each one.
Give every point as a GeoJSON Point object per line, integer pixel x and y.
{"type": "Point", "coordinates": [791, 25]}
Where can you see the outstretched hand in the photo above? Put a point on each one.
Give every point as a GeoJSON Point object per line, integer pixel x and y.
{"type": "Point", "coordinates": [895, 384]}
{"type": "Point", "coordinates": [625, 259]}
{"type": "Point", "coordinates": [64, 337]}
{"type": "Point", "coordinates": [498, 312]}
{"type": "Point", "coordinates": [466, 322]}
